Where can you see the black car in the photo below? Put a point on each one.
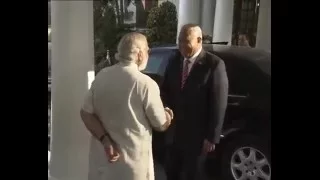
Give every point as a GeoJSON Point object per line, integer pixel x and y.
{"type": "Point", "coordinates": [244, 150]}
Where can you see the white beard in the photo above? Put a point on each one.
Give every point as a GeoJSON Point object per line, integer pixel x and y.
{"type": "Point", "coordinates": [142, 66]}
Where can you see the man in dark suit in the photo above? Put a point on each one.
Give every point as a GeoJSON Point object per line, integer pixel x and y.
{"type": "Point", "coordinates": [195, 87]}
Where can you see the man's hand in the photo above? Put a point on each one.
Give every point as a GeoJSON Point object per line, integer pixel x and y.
{"type": "Point", "coordinates": [168, 122]}
{"type": "Point", "coordinates": [169, 112]}
{"type": "Point", "coordinates": [208, 146]}
{"type": "Point", "coordinates": [111, 149]}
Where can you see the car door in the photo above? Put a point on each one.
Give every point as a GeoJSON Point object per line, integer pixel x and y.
{"type": "Point", "coordinates": [238, 94]}
{"type": "Point", "coordinates": [248, 92]}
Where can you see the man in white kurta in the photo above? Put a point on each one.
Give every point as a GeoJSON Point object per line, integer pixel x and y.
{"type": "Point", "coordinates": [128, 104]}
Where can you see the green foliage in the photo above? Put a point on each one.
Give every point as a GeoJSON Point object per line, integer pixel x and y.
{"type": "Point", "coordinates": [162, 24]}
{"type": "Point", "coordinates": [153, 34]}
{"type": "Point", "coordinates": [109, 26]}
{"type": "Point", "coordinates": [107, 32]}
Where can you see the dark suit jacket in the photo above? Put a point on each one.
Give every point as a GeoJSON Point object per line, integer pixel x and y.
{"type": "Point", "coordinates": [199, 107]}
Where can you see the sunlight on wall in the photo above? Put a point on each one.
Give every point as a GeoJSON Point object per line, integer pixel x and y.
{"type": "Point", "coordinates": [90, 75]}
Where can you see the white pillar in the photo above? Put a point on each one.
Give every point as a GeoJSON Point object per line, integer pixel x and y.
{"type": "Point", "coordinates": [223, 21]}
{"type": "Point", "coordinates": [263, 40]}
{"type": "Point", "coordinates": [207, 16]}
{"type": "Point", "coordinates": [72, 59]}
{"type": "Point", "coordinates": [189, 12]}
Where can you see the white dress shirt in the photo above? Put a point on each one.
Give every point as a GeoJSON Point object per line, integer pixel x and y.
{"type": "Point", "coordinates": [192, 59]}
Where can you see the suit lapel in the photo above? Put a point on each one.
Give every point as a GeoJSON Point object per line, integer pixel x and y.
{"type": "Point", "coordinates": [196, 68]}
{"type": "Point", "coordinates": [180, 69]}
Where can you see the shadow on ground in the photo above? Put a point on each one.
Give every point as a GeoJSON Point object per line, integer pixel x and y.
{"type": "Point", "coordinates": [160, 174]}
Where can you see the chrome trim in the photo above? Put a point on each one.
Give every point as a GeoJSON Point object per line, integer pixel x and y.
{"type": "Point", "coordinates": [229, 131]}
{"type": "Point", "coordinates": [236, 96]}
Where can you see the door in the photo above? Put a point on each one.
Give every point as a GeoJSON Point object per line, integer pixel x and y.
{"type": "Point", "coordinates": [238, 94]}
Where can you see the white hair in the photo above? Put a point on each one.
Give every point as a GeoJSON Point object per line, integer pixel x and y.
{"type": "Point", "coordinates": [129, 46]}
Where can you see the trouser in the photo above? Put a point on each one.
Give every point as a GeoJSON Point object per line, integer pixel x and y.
{"type": "Point", "coordinates": [182, 165]}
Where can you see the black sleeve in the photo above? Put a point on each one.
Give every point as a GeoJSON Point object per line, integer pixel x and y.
{"type": "Point", "coordinates": [218, 101]}
{"type": "Point", "coordinates": [164, 87]}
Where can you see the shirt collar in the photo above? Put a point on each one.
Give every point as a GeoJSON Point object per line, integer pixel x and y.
{"type": "Point", "coordinates": [194, 57]}
{"type": "Point", "coordinates": [129, 64]}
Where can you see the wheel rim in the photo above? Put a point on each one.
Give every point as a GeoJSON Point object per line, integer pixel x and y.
{"type": "Point", "coordinates": [248, 163]}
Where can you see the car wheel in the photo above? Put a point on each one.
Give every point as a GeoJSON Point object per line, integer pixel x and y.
{"type": "Point", "coordinates": [246, 158]}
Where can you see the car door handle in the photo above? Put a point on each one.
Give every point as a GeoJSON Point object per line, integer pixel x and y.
{"type": "Point", "coordinates": [234, 104]}
{"type": "Point", "coordinates": [237, 96]}
{"type": "Point", "coordinates": [235, 100]}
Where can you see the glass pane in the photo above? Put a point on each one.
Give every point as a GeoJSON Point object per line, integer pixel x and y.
{"type": "Point", "coordinates": [158, 60]}
{"type": "Point", "coordinates": [250, 15]}
{"type": "Point", "coordinates": [244, 15]}
{"type": "Point", "coordinates": [244, 4]}
{"type": "Point", "coordinates": [154, 63]}
{"type": "Point", "coordinates": [245, 20]}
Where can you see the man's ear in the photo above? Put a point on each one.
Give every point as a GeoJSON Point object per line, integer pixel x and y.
{"type": "Point", "coordinates": [139, 58]}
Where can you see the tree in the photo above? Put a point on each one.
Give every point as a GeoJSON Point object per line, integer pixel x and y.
{"type": "Point", "coordinates": [108, 28]}
{"type": "Point", "coordinates": [104, 28]}
{"type": "Point", "coordinates": [162, 23]}
{"type": "Point", "coordinates": [108, 25]}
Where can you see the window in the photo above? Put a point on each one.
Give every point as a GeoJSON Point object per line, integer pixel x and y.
{"type": "Point", "coordinates": [245, 20]}
{"type": "Point", "coordinates": [154, 63]}
{"type": "Point", "coordinates": [158, 61]}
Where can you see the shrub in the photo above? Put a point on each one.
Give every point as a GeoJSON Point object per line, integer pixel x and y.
{"type": "Point", "coordinates": [162, 24]}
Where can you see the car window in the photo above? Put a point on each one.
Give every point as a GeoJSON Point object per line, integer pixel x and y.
{"type": "Point", "coordinates": [158, 61]}
{"type": "Point", "coordinates": [154, 63]}
{"type": "Point", "coordinates": [245, 78]}
{"type": "Point", "coordinates": [265, 65]}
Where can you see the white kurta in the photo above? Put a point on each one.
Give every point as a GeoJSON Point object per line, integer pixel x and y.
{"type": "Point", "coordinates": [128, 104]}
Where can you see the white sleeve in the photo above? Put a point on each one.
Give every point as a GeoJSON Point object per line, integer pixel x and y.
{"type": "Point", "coordinates": [153, 105]}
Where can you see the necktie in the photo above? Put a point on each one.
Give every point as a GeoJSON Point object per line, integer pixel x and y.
{"type": "Point", "coordinates": [185, 72]}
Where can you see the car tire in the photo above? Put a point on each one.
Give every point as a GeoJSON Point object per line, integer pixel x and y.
{"type": "Point", "coordinates": [258, 164]}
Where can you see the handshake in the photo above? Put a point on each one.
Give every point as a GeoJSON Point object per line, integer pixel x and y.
{"type": "Point", "coordinates": [169, 114]}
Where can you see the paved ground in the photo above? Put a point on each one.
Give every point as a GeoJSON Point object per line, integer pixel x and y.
{"type": "Point", "coordinates": [160, 174]}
